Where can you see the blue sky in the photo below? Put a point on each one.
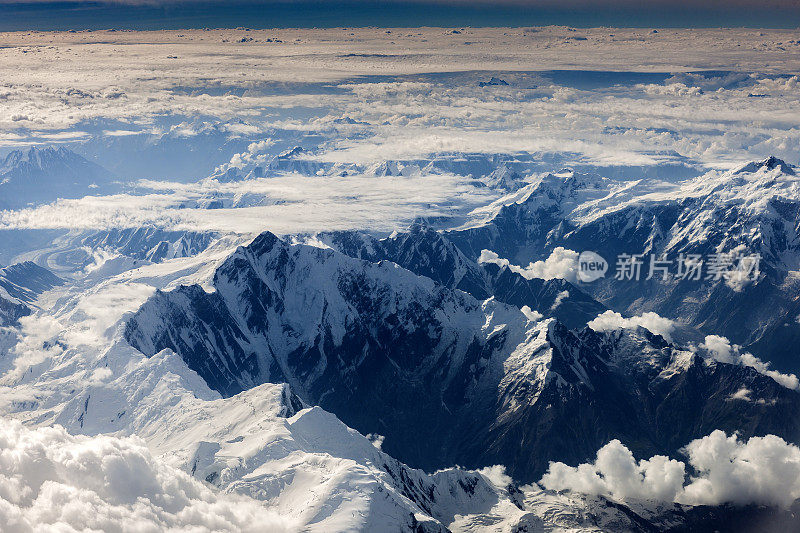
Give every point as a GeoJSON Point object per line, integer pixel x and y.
{"type": "Point", "coordinates": [155, 14]}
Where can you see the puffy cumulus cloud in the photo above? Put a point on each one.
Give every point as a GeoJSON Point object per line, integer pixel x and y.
{"type": "Point", "coordinates": [672, 89]}
{"type": "Point", "coordinates": [497, 475]}
{"type": "Point", "coordinates": [742, 394]}
{"type": "Point", "coordinates": [51, 480]}
{"type": "Point", "coordinates": [712, 83]}
{"type": "Point", "coordinates": [561, 264]}
{"type": "Point", "coordinates": [722, 469]}
{"type": "Point", "coordinates": [254, 155]}
{"type": "Point", "coordinates": [778, 85]}
{"type": "Point", "coordinates": [763, 470]}
{"type": "Point", "coordinates": [490, 257]}
{"type": "Point", "coordinates": [376, 439]}
{"type": "Point", "coordinates": [617, 474]}
{"type": "Point", "coordinates": [611, 320]}
{"type": "Point", "coordinates": [721, 349]}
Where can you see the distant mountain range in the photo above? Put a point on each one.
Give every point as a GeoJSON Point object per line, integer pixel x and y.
{"type": "Point", "coordinates": [40, 175]}
{"type": "Point", "coordinates": [503, 172]}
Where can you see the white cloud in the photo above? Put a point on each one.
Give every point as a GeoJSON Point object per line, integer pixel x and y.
{"type": "Point", "coordinates": [617, 474]}
{"type": "Point", "coordinates": [376, 440]}
{"type": "Point", "coordinates": [533, 316]}
{"type": "Point", "coordinates": [763, 470]}
{"type": "Point", "coordinates": [560, 297]}
{"type": "Point", "coordinates": [723, 469]}
{"type": "Point", "coordinates": [218, 79]}
{"type": "Point", "coordinates": [497, 475]}
{"type": "Point", "coordinates": [560, 264]}
{"type": "Point", "coordinates": [673, 89]}
{"type": "Point", "coordinates": [611, 320]}
{"type": "Point", "coordinates": [286, 204]}
{"type": "Point", "coordinates": [742, 394]}
{"type": "Point", "coordinates": [721, 349]}
{"type": "Point", "coordinates": [254, 155]}
{"type": "Point", "coordinates": [50, 480]}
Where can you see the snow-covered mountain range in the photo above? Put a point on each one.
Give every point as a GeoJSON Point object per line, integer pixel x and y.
{"type": "Point", "coordinates": [338, 377]}
{"type": "Point", "coordinates": [501, 172]}
{"type": "Point", "coordinates": [751, 210]}
{"type": "Point", "coordinates": [40, 175]}
{"type": "Point", "coordinates": [428, 253]}
{"type": "Point", "coordinates": [385, 349]}
{"type": "Point", "coordinates": [365, 279]}
{"type": "Point", "coordinates": [72, 367]}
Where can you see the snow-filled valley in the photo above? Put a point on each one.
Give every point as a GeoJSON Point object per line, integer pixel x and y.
{"type": "Point", "coordinates": [335, 280]}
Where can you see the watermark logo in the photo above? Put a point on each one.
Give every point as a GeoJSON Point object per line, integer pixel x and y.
{"type": "Point", "coordinates": [591, 267]}
{"type": "Point", "coordinates": [735, 268]}
{"type": "Point", "coordinates": [731, 267]}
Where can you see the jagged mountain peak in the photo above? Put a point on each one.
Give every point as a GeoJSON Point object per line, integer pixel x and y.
{"type": "Point", "coordinates": [40, 157]}
{"type": "Point", "coordinates": [293, 152]}
{"type": "Point", "coordinates": [585, 197]}
{"type": "Point", "coordinates": [769, 163]}
{"type": "Point", "coordinates": [260, 162]}
{"type": "Point", "coordinates": [358, 336]}
{"type": "Point", "coordinates": [430, 253]}
{"type": "Point", "coordinates": [44, 174]}
{"type": "Point", "coordinates": [492, 81]}
{"type": "Point", "coordinates": [264, 243]}
{"type": "Point", "coordinates": [419, 228]}
{"type": "Point", "coordinates": [386, 168]}
{"type": "Point", "coordinates": [754, 184]}
{"type": "Point", "coordinates": [557, 192]}
{"type": "Point", "coordinates": [504, 178]}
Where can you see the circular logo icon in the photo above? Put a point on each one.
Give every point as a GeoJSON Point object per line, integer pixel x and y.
{"type": "Point", "coordinates": [591, 267]}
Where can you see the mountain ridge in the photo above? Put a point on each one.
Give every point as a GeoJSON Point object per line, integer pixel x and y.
{"type": "Point", "coordinates": [385, 349]}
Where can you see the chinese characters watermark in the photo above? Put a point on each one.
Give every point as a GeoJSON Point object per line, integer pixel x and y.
{"type": "Point", "coordinates": [693, 267]}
